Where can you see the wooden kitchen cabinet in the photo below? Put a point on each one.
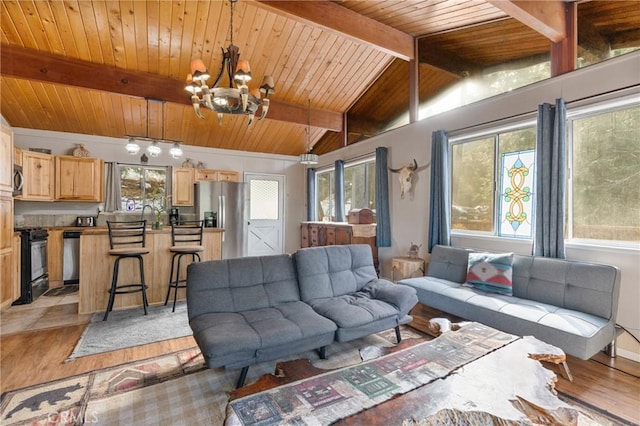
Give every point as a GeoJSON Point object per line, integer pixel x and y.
{"type": "Point", "coordinates": [182, 192]}
{"type": "Point", "coordinates": [217, 175]}
{"type": "Point", "coordinates": [7, 270]}
{"type": "Point", "coordinates": [79, 178]}
{"type": "Point", "coordinates": [55, 259]}
{"type": "Point", "coordinates": [228, 176]}
{"type": "Point", "coordinates": [38, 170]}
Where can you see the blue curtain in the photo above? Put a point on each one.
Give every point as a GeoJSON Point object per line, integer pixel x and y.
{"type": "Point", "coordinates": [439, 201]}
{"type": "Point", "coordinates": [311, 195]}
{"type": "Point", "coordinates": [339, 167]}
{"type": "Point", "coordinates": [383, 219]}
{"type": "Point", "coordinates": [548, 240]}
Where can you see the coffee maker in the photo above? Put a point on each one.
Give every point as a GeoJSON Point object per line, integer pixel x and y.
{"type": "Point", "coordinates": [174, 216]}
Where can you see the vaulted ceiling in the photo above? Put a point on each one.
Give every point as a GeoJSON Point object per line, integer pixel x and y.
{"type": "Point", "coordinates": [89, 67]}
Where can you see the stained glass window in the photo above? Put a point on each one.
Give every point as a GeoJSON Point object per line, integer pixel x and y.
{"type": "Point", "coordinates": [516, 194]}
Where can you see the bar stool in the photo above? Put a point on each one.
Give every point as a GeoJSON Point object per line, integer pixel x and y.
{"type": "Point", "coordinates": [186, 239]}
{"type": "Point", "coordinates": [127, 241]}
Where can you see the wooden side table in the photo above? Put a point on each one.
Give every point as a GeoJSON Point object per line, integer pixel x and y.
{"type": "Point", "coordinates": [407, 267]}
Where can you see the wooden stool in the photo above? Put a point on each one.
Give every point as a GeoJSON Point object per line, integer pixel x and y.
{"type": "Point", "coordinates": [126, 241]}
{"type": "Point", "coordinates": [186, 239]}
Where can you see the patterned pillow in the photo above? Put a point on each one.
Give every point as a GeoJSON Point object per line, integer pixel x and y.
{"type": "Point", "coordinates": [491, 272]}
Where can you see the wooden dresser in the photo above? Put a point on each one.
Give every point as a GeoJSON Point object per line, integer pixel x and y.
{"type": "Point", "coordinates": [313, 234]}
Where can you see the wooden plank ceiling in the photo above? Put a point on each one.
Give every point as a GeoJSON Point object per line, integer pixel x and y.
{"type": "Point", "coordinates": [87, 67]}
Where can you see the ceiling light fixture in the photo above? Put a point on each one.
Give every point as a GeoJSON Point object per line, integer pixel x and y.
{"type": "Point", "coordinates": [308, 158]}
{"type": "Point", "coordinates": [231, 100]}
{"type": "Point", "coordinates": [176, 151]}
{"type": "Point", "coordinates": [132, 147]}
{"type": "Point", "coordinates": [154, 148]}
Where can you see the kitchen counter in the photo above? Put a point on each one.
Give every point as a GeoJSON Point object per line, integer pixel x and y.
{"type": "Point", "coordinates": [96, 267]}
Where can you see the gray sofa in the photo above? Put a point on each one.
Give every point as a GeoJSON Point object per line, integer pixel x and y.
{"type": "Point", "coordinates": [248, 310]}
{"type": "Point", "coordinates": [569, 304]}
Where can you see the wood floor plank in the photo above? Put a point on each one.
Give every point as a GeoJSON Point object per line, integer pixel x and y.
{"type": "Point", "coordinates": [33, 357]}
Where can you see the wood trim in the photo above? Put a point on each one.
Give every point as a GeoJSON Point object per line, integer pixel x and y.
{"type": "Point", "coordinates": [546, 17]}
{"type": "Point", "coordinates": [345, 22]}
{"type": "Point", "coordinates": [565, 52]}
{"type": "Point", "coordinates": [32, 64]}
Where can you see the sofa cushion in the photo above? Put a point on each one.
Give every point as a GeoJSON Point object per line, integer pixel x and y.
{"type": "Point", "coordinates": [491, 272]}
{"type": "Point", "coordinates": [234, 338]}
{"type": "Point", "coordinates": [449, 263]}
{"type": "Point", "coordinates": [325, 272]}
{"type": "Point", "coordinates": [237, 285]}
{"type": "Point", "coordinates": [353, 310]}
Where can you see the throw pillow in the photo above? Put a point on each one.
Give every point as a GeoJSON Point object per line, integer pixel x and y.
{"type": "Point", "coordinates": [491, 272]}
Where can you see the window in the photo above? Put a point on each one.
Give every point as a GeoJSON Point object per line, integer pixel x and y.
{"type": "Point", "coordinates": [263, 199]}
{"type": "Point", "coordinates": [140, 185]}
{"type": "Point", "coordinates": [359, 188]}
{"type": "Point", "coordinates": [604, 194]}
{"type": "Point", "coordinates": [492, 180]}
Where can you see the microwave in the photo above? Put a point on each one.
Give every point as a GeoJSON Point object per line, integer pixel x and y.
{"type": "Point", "coordinates": [18, 180]}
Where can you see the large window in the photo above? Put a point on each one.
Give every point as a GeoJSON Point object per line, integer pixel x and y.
{"type": "Point", "coordinates": [604, 195]}
{"type": "Point", "coordinates": [140, 185]}
{"type": "Point", "coordinates": [359, 188]}
{"type": "Point", "coordinates": [492, 183]}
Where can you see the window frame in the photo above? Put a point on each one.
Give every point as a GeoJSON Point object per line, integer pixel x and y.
{"type": "Point", "coordinates": [494, 131]}
{"type": "Point", "coordinates": [577, 113]}
{"type": "Point", "coordinates": [167, 184]}
{"type": "Point", "coordinates": [369, 158]}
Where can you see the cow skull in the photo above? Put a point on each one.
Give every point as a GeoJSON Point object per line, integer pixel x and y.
{"type": "Point", "coordinates": [405, 177]}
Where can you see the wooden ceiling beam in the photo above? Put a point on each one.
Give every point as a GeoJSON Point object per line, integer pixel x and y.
{"type": "Point", "coordinates": [29, 64]}
{"type": "Point", "coordinates": [546, 17]}
{"type": "Point", "coordinates": [345, 22]}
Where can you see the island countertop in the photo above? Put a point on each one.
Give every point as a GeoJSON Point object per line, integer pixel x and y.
{"type": "Point", "coordinates": [96, 267]}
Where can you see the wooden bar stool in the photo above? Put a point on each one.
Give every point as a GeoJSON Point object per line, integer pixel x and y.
{"type": "Point", "coordinates": [186, 240]}
{"type": "Point", "coordinates": [127, 241]}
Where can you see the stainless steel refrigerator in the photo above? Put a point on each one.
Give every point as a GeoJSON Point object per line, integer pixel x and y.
{"type": "Point", "coordinates": [229, 204]}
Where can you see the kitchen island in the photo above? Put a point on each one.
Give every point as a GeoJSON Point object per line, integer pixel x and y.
{"type": "Point", "coordinates": [96, 268]}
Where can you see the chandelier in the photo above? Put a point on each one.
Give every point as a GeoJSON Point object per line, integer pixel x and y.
{"type": "Point", "coordinates": [236, 99]}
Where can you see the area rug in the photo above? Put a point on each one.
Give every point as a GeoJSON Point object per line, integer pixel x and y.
{"type": "Point", "coordinates": [174, 389]}
{"type": "Point", "coordinates": [130, 327]}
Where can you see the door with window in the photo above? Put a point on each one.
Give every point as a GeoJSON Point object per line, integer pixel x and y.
{"type": "Point", "coordinates": [266, 214]}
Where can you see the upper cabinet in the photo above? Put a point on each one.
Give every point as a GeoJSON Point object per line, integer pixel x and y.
{"type": "Point", "coordinates": [38, 171]}
{"type": "Point", "coordinates": [6, 159]}
{"type": "Point", "coordinates": [79, 179]}
{"type": "Point", "coordinates": [217, 175]}
{"type": "Point", "coordinates": [182, 186]}
{"type": "Point", "coordinates": [228, 176]}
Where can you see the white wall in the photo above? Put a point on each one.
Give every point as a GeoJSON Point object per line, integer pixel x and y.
{"type": "Point", "coordinates": [409, 217]}
{"type": "Point", "coordinates": [112, 149]}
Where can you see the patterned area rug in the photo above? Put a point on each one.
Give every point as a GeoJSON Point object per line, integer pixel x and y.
{"type": "Point", "coordinates": [175, 389]}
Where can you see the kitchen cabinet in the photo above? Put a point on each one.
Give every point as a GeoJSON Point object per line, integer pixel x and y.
{"type": "Point", "coordinates": [96, 267]}
{"type": "Point", "coordinates": [228, 176]}
{"type": "Point", "coordinates": [55, 255]}
{"type": "Point", "coordinates": [7, 269]}
{"type": "Point", "coordinates": [182, 192]}
{"type": "Point", "coordinates": [217, 175]}
{"type": "Point", "coordinates": [314, 234]}
{"type": "Point", "coordinates": [38, 170]}
{"type": "Point", "coordinates": [79, 178]}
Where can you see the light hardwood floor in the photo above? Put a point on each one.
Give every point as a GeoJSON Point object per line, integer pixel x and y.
{"type": "Point", "coordinates": [33, 357]}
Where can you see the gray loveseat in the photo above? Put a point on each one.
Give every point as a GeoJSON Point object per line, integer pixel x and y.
{"type": "Point", "coordinates": [569, 304]}
{"type": "Point", "coordinates": [248, 310]}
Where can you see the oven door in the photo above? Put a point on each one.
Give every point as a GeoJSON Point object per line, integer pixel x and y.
{"type": "Point", "coordinates": [38, 259]}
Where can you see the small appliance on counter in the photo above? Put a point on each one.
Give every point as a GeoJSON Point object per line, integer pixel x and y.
{"type": "Point", "coordinates": [210, 220]}
{"type": "Point", "coordinates": [174, 215]}
{"type": "Point", "coordinates": [85, 221]}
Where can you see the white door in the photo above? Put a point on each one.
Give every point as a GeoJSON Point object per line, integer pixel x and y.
{"type": "Point", "coordinates": [266, 214]}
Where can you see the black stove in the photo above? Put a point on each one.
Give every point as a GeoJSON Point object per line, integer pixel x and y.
{"type": "Point", "coordinates": [34, 273]}
{"type": "Point", "coordinates": [33, 233]}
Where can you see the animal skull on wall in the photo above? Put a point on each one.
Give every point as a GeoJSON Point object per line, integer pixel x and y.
{"type": "Point", "coordinates": [406, 177]}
